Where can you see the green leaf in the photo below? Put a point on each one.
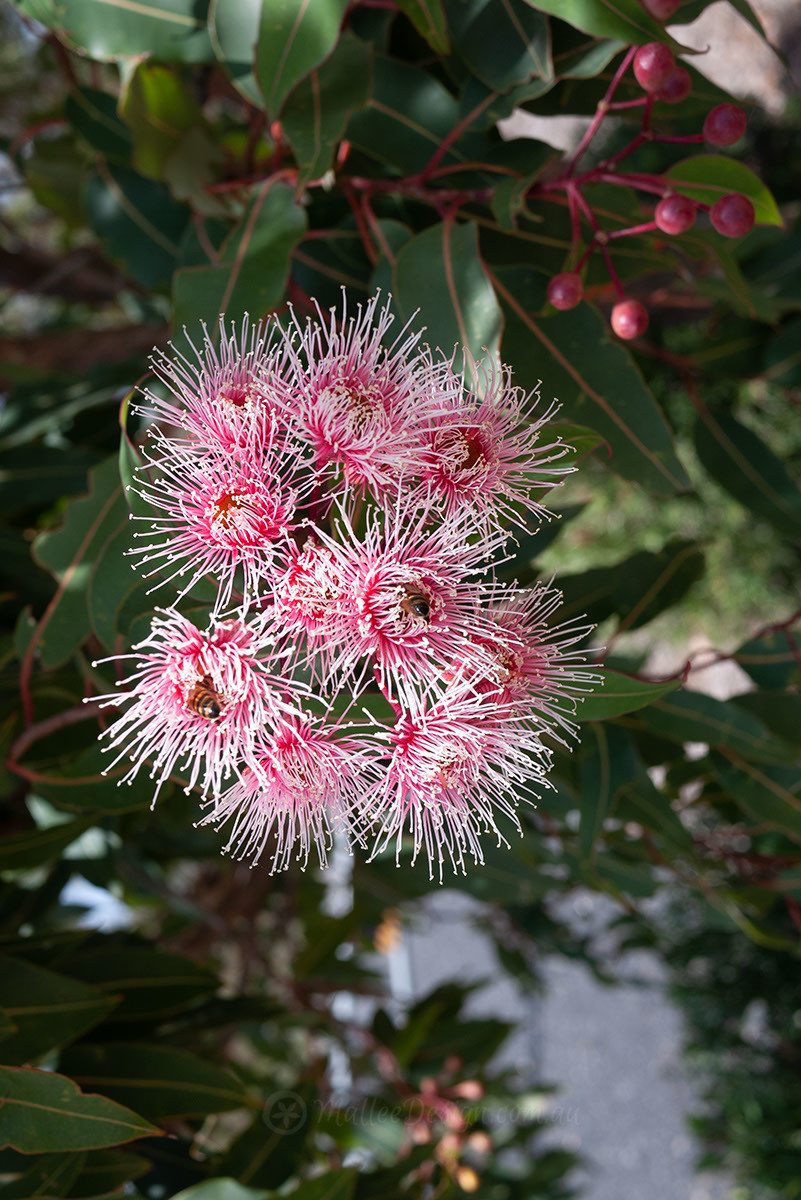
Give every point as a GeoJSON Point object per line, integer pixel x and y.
{"type": "Point", "coordinates": [112, 580]}
{"type": "Point", "coordinates": [69, 553]}
{"type": "Point", "coordinates": [638, 800]}
{"type": "Point", "coordinates": [408, 116]}
{"type": "Point", "coordinates": [575, 56]}
{"type": "Point", "coordinates": [159, 108]}
{"type": "Point", "coordinates": [503, 44]}
{"type": "Point", "coordinates": [618, 694]}
{"type": "Point", "coordinates": [234, 31]}
{"type": "Point", "coordinates": [43, 1111]}
{"type": "Point", "coordinates": [104, 1171]}
{"type": "Point", "coordinates": [153, 984]}
{"type": "Point", "coordinates": [250, 274]}
{"type": "Point", "coordinates": [20, 851]}
{"type": "Point", "coordinates": [624, 19]}
{"type": "Point", "coordinates": [594, 377]}
{"type": "Point", "coordinates": [139, 222]}
{"type": "Point", "coordinates": [637, 589]}
{"type": "Point", "coordinates": [768, 794]}
{"type": "Point", "coordinates": [771, 660]}
{"type": "Point", "coordinates": [50, 1176]}
{"type": "Point", "coordinates": [780, 711]}
{"type": "Point", "coordinates": [694, 717]}
{"type": "Point", "coordinates": [782, 361]}
{"type": "Point", "coordinates": [707, 177]}
{"type": "Point", "coordinates": [742, 464]}
{"type": "Point", "coordinates": [317, 111]}
{"type": "Point", "coordinates": [608, 760]}
{"type": "Point", "coordinates": [48, 1010]}
{"type": "Point", "coordinates": [93, 115]}
{"type": "Point", "coordinates": [440, 275]}
{"type": "Point", "coordinates": [277, 1142]}
{"type": "Point", "coordinates": [36, 474]}
{"type": "Point", "coordinates": [294, 38]}
{"type": "Point", "coordinates": [429, 19]}
{"type": "Point", "coordinates": [80, 786]}
{"type": "Point", "coordinates": [221, 1189]}
{"type": "Point", "coordinates": [160, 1082]}
{"type": "Point", "coordinates": [169, 30]}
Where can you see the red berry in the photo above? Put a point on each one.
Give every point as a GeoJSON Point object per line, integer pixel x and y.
{"type": "Point", "coordinates": [629, 319]}
{"type": "Point", "coordinates": [660, 10]}
{"type": "Point", "coordinates": [674, 214]}
{"type": "Point", "coordinates": [724, 125]}
{"type": "Point", "coordinates": [653, 66]}
{"type": "Point", "coordinates": [732, 215]}
{"type": "Point", "coordinates": [565, 290]}
{"type": "Point", "coordinates": [678, 86]}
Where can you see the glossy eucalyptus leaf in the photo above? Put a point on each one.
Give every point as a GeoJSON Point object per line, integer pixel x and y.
{"type": "Point", "coordinates": [440, 276]}
{"type": "Point", "coordinates": [159, 107]}
{"type": "Point", "coordinates": [151, 983]}
{"type": "Point", "coordinates": [608, 760]}
{"type": "Point", "coordinates": [707, 177]}
{"type": "Point", "coordinates": [617, 694]}
{"type": "Point", "coordinates": [170, 30]}
{"type": "Point", "coordinates": [575, 356]}
{"type": "Point", "coordinates": [771, 660]}
{"type": "Point", "coordinates": [43, 1111]}
{"type": "Point", "coordinates": [503, 45]}
{"type": "Point", "coordinates": [250, 273]}
{"type": "Point", "coordinates": [49, 1176]}
{"type": "Point", "coordinates": [694, 717]}
{"type": "Point", "coordinates": [69, 553]}
{"type": "Point", "coordinates": [48, 1010]}
{"type": "Point", "coordinates": [429, 18]}
{"type": "Point", "coordinates": [624, 19]}
{"type": "Point", "coordinates": [637, 588]}
{"type": "Point", "coordinates": [94, 117]}
{"type": "Point", "coordinates": [160, 1082]}
{"type": "Point", "coordinates": [766, 793]}
{"type": "Point", "coordinates": [295, 37]}
{"type": "Point", "coordinates": [139, 222]}
{"type": "Point", "coordinates": [234, 31]}
{"type": "Point", "coordinates": [317, 111]}
{"type": "Point", "coordinates": [222, 1189]}
{"type": "Point", "coordinates": [742, 464]}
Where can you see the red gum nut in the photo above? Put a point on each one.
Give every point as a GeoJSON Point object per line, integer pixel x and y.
{"type": "Point", "coordinates": [725, 124]}
{"type": "Point", "coordinates": [660, 10]}
{"type": "Point", "coordinates": [678, 86]}
{"type": "Point", "coordinates": [732, 215]}
{"type": "Point", "coordinates": [653, 65]}
{"type": "Point", "coordinates": [629, 319]}
{"type": "Point", "coordinates": [674, 214]}
{"type": "Point", "coordinates": [566, 290]}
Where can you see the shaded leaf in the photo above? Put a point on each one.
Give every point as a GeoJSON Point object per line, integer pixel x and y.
{"type": "Point", "coordinates": [624, 19]}
{"type": "Point", "coordinates": [159, 108]}
{"type": "Point", "coordinates": [271, 1150]}
{"type": "Point", "coordinates": [50, 1176]}
{"type": "Point", "coordinates": [637, 589]}
{"type": "Point", "coordinates": [93, 115]}
{"type": "Point", "coordinates": [608, 760]}
{"type": "Point", "coordinates": [159, 1082]}
{"type": "Point", "coordinates": [742, 464]}
{"type": "Point", "coordinates": [152, 983]}
{"type": "Point", "coordinates": [772, 661]}
{"type": "Point", "coordinates": [221, 1189]}
{"type": "Point", "coordinates": [250, 275]}
{"type": "Point", "coordinates": [503, 44]}
{"type": "Point", "coordinates": [48, 1010]}
{"type": "Point", "coordinates": [767, 794]}
{"type": "Point", "coordinates": [69, 553]}
{"type": "Point", "coordinates": [782, 356]}
{"type": "Point", "coordinates": [694, 717]}
{"type": "Point", "coordinates": [43, 1111]}
{"type": "Point", "coordinates": [20, 851]}
{"type": "Point", "coordinates": [428, 18]}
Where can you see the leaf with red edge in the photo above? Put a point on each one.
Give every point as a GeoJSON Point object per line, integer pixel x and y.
{"type": "Point", "coordinates": [42, 1111]}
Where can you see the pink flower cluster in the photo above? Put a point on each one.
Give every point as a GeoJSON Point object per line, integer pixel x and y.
{"type": "Point", "coordinates": [342, 502]}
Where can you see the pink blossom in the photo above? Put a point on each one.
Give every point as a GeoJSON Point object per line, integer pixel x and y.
{"type": "Point", "coordinates": [217, 400]}
{"type": "Point", "coordinates": [197, 699]}
{"type": "Point", "coordinates": [524, 661]}
{"type": "Point", "coordinates": [303, 783]}
{"type": "Point", "coordinates": [306, 601]}
{"type": "Point", "coordinates": [362, 405]}
{"type": "Point", "coordinates": [486, 449]}
{"type": "Point", "coordinates": [455, 767]}
{"type": "Point", "coordinates": [408, 594]}
{"type": "Point", "coordinates": [227, 516]}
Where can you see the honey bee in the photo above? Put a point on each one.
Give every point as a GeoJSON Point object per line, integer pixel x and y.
{"type": "Point", "coordinates": [203, 699]}
{"type": "Point", "coordinates": [415, 605]}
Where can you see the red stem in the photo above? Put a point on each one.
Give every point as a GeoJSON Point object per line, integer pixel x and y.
{"type": "Point", "coordinates": [601, 110]}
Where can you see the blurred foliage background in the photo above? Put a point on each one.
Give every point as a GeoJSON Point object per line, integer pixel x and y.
{"type": "Point", "coordinates": [168, 161]}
